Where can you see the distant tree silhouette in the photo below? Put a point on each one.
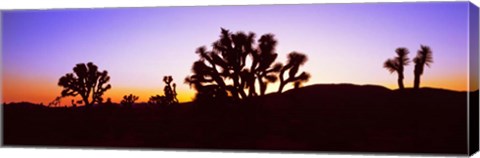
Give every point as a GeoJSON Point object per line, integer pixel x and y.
{"type": "Point", "coordinates": [129, 100]}
{"type": "Point", "coordinates": [295, 60]}
{"type": "Point", "coordinates": [170, 94]}
{"type": "Point", "coordinates": [224, 72]}
{"type": "Point", "coordinates": [397, 64]}
{"type": "Point", "coordinates": [424, 57]}
{"type": "Point", "coordinates": [108, 103]}
{"type": "Point", "coordinates": [86, 81]}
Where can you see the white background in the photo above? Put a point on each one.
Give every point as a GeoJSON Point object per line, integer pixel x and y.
{"type": "Point", "coordinates": [114, 153]}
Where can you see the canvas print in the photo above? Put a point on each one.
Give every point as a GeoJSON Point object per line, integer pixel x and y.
{"type": "Point", "coordinates": [360, 77]}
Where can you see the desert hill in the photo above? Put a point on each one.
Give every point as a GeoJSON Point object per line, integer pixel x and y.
{"type": "Point", "coordinates": [340, 117]}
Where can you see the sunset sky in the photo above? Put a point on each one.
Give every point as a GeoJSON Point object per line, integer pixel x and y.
{"type": "Point", "coordinates": [345, 43]}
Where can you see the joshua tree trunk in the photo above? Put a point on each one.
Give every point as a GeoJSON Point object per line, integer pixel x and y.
{"type": "Point", "coordinates": [87, 103]}
{"type": "Point", "coordinates": [280, 89]}
{"type": "Point", "coordinates": [400, 81]}
{"type": "Point", "coordinates": [417, 72]}
{"type": "Point", "coordinates": [237, 89]}
{"type": "Point", "coordinates": [282, 80]}
{"type": "Point", "coordinates": [400, 84]}
{"type": "Point", "coordinates": [242, 93]}
{"type": "Point", "coordinates": [263, 86]}
{"type": "Point", "coordinates": [251, 85]}
{"type": "Point", "coordinates": [416, 81]}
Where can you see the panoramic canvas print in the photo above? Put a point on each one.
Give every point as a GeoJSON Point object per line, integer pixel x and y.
{"type": "Point", "coordinates": [365, 77]}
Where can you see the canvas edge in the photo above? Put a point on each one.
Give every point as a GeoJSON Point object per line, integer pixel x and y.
{"type": "Point", "coordinates": [473, 126]}
{"type": "Point", "coordinates": [473, 77]}
{"type": "Point", "coordinates": [87, 7]}
{"type": "Point", "coordinates": [1, 78]}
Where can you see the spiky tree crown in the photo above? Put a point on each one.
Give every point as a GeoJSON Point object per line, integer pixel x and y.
{"type": "Point", "coordinates": [86, 81]}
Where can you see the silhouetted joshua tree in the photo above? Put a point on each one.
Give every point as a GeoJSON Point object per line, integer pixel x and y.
{"type": "Point", "coordinates": [223, 71]}
{"type": "Point", "coordinates": [295, 60]}
{"type": "Point", "coordinates": [397, 64]}
{"type": "Point", "coordinates": [226, 61]}
{"type": "Point", "coordinates": [424, 57]}
{"type": "Point", "coordinates": [129, 100]}
{"type": "Point", "coordinates": [170, 92]}
{"type": "Point", "coordinates": [86, 81]}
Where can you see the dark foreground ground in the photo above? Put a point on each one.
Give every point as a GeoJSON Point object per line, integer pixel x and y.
{"type": "Point", "coordinates": [315, 118]}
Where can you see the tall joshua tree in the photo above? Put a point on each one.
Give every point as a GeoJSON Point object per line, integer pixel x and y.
{"type": "Point", "coordinates": [397, 64]}
{"type": "Point", "coordinates": [295, 60]}
{"type": "Point", "coordinates": [227, 60]}
{"type": "Point", "coordinates": [424, 57]}
{"type": "Point", "coordinates": [87, 82]}
{"type": "Point", "coordinates": [224, 71]}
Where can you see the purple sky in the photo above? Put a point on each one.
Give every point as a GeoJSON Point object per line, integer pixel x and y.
{"type": "Point", "coordinates": [345, 43]}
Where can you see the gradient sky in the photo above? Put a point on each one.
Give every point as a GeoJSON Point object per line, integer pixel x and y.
{"type": "Point", "coordinates": [345, 43]}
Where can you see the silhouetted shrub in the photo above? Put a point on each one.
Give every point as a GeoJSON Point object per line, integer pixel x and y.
{"type": "Point", "coordinates": [129, 100]}
{"type": "Point", "coordinates": [156, 100]}
{"type": "Point", "coordinates": [109, 101]}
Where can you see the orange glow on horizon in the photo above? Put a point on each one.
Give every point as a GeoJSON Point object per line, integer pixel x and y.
{"type": "Point", "coordinates": [12, 92]}
{"type": "Point", "coordinates": [18, 88]}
